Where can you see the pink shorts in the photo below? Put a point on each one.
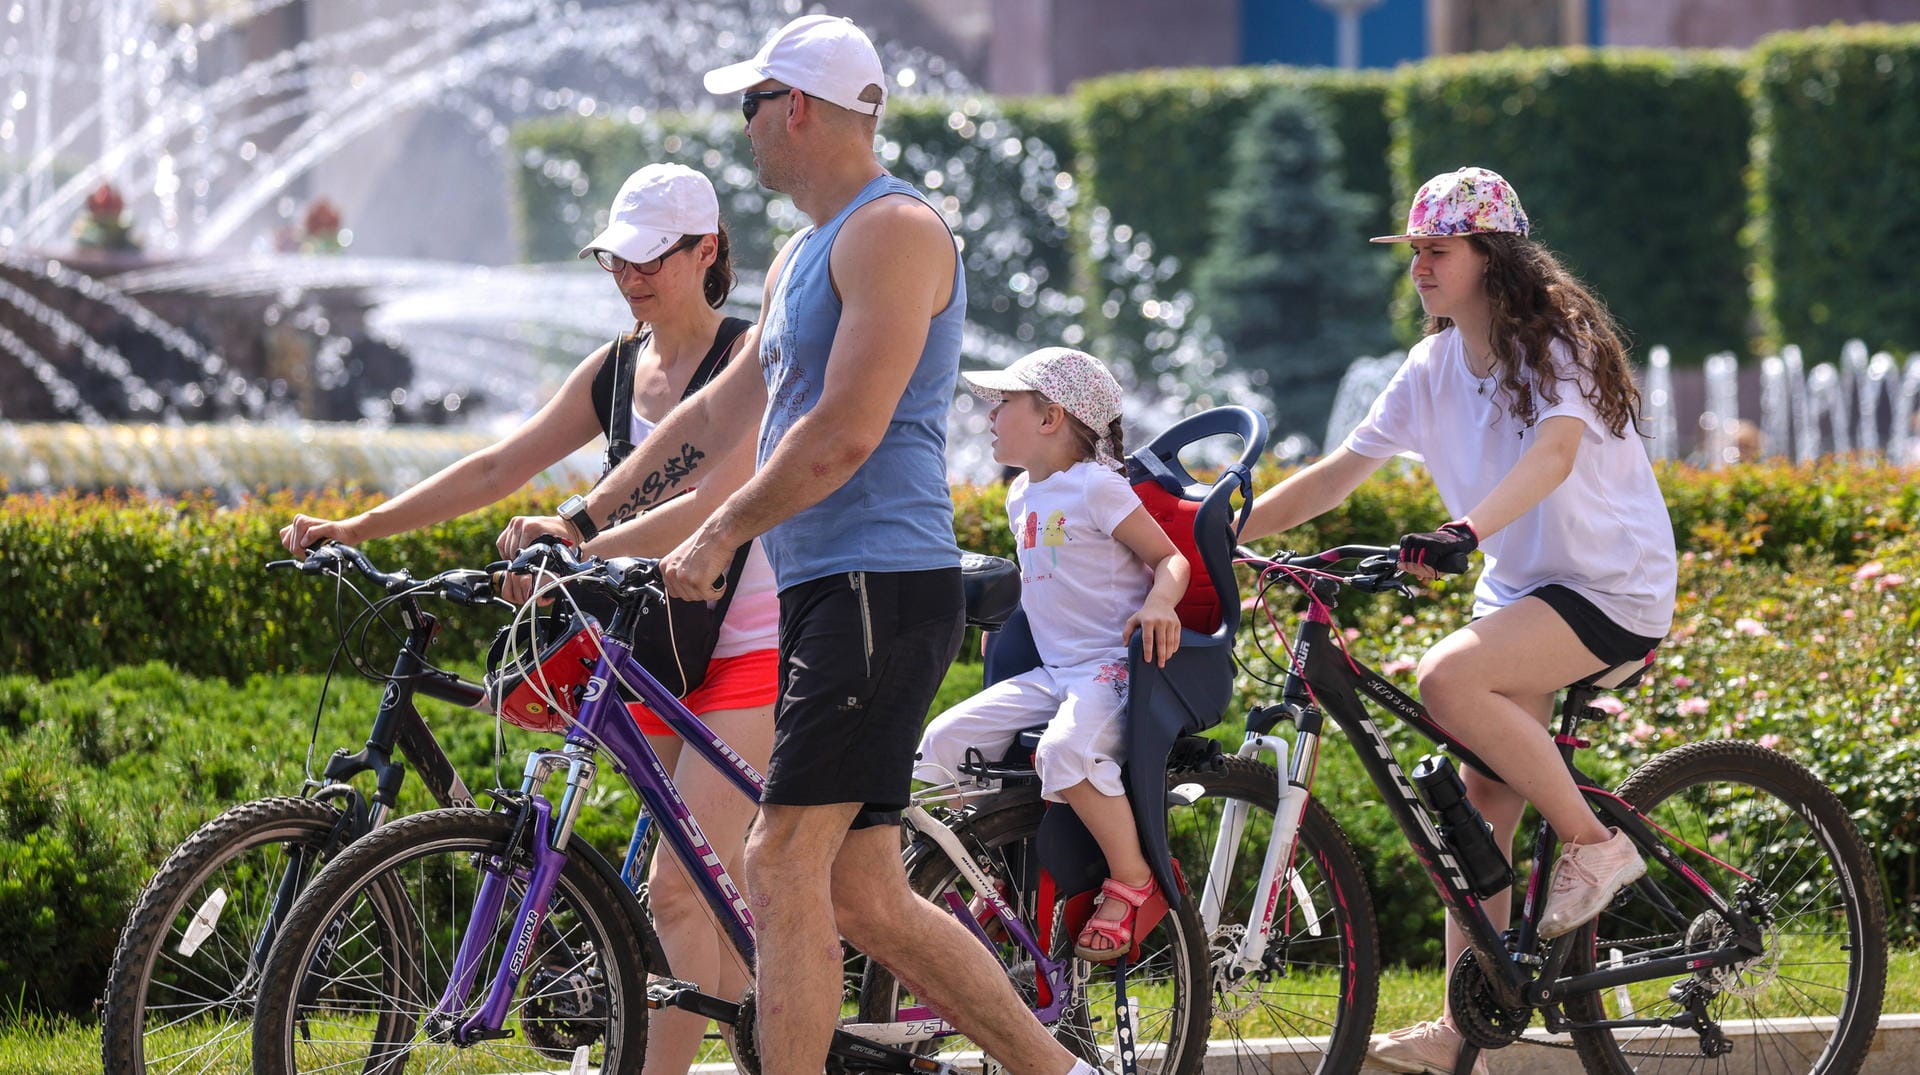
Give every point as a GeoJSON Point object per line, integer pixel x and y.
{"type": "Point", "coordinates": [743, 681]}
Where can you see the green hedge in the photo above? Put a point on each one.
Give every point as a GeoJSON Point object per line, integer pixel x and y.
{"type": "Point", "coordinates": [183, 581]}
{"type": "Point", "coordinates": [1835, 153]}
{"type": "Point", "coordinates": [1155, 143]}
{"type": "Point", "coordinates": [1630, 165]}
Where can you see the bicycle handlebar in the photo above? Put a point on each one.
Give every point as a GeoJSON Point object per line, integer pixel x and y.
{"type": "Point", "coordinates": [1377, 572]}
{"type": "Point", "coordinates": [462, 586]}
{"type": "Point", "coordinates": [625, 576]}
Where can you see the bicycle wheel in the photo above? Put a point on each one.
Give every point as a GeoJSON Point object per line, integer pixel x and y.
{"type": "Point", "coordinates": [375, 938]}
{"type": "Point", "coordinates": [1166, 987]}
{"type": "Point", "coordinates": [1810, 1002]}
{"type": "Point", "coordinates": [180, 992]}
{"type": "Point", "coordinates": [1309, 1006]}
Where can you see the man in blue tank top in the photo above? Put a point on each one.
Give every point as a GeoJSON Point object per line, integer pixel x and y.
{"type": "Point", "coordinates": [859, 346]}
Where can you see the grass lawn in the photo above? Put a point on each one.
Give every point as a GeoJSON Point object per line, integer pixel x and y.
{"type": "Point", "coordinates": [37, 1046]}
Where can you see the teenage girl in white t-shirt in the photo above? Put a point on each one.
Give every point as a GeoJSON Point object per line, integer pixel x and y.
{"type": "Point", "coordinates": [1093, 567]}
{"type": "Point", "coordinates": [1522, 406]}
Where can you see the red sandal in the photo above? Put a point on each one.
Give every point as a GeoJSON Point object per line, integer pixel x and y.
{"type": "Point", "coordinates": [1145, 903]}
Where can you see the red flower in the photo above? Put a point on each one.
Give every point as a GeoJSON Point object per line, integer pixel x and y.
{"type": "Point", "coordinates": [105, 203]}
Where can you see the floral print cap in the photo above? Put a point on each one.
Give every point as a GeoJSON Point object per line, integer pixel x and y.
{"type": "Point", "coordinates": [1074, 379]}
{"type": "Point", "coordinates": [1469, 201]}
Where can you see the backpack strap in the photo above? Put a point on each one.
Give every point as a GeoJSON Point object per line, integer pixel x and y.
{"type": "Point", "coordinates": [622, 355]}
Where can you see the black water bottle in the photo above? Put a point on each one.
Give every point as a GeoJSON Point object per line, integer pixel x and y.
{"type": "Point", "coordinates": [1465, 832]}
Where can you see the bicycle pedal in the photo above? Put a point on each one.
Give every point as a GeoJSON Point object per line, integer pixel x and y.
{"type": "Point", "coordinates": [673, 993]}
{"type": "Point", "coordinates": [660, 991]}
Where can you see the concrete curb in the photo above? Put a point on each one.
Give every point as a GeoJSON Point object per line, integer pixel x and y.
{"type": "Point", "coordinates": [1896, 1051]}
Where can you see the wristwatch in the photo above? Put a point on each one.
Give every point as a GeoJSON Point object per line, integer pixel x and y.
{"type": "Point", "coordinates": [574, 510]}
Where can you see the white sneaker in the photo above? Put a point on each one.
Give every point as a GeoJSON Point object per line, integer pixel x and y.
{"type": "Point", "coordinates": [1430, 1047]}
{"type": "Point", "coordinates": [1586, 879]}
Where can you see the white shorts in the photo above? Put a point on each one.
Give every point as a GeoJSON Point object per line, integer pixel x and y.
{"type": "Point", "coordinates": [1083, 707]}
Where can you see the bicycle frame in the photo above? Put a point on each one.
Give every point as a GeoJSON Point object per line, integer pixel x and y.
{"type": "Point", "coordinates": [1322, 680]}
{"type": "Point", "coordinates": [603, 722]}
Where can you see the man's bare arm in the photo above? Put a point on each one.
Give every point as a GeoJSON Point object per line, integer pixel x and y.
{"type": "Point", "coordinates": [893, 265]}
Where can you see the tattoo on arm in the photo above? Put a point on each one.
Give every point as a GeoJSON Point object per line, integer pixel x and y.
{"type": "Point", "coordinates": [656, 485]}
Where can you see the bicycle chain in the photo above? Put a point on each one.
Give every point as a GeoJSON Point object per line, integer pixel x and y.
{"type": "Point", "coordinates": [1570, 1045]}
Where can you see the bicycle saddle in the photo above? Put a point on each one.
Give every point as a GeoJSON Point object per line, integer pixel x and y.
{"type": "Point", "coordinates": [992, 588]}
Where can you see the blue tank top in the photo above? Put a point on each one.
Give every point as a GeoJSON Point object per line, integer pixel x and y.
{"type": "Point", "coordinates": [895, 513]}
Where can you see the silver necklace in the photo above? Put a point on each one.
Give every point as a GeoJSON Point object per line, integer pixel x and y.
{"type": "Point", "coordinates": [1482, 381]}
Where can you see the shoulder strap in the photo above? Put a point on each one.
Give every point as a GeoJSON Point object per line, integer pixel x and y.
{"type": "Point", "coordinates": [717, 356]}
{"type": "Point", "coordinates": [603, 386]}
{"type": "Point", "coordinates": [620, 403]}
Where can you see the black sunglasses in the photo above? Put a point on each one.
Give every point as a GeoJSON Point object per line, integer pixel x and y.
{"type": "Point", "coordinates": [750, 100]}
{"type": "Point", "coordinates": [613, 262]}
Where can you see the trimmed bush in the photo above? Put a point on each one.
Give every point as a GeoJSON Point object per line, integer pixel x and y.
{"type": "Point", "coordinates": [1629, 163]}
{"type": "Point", "coordinates": [1836, 146]}
{"type": "Point", "coordinates": [183, 582]}
{"type": "Point", "coordinates": [1154, 144]}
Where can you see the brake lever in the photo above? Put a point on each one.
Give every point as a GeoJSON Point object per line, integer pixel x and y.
{"type": "Point", "coordinates": [467, 587]}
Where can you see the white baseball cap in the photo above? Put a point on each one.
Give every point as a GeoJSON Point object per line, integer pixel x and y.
{"type": "Point", "coordinates": [823, 56]}
{"type": "Point", "coordinates": [656, 207]}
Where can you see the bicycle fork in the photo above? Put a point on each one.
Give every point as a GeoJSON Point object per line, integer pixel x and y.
{"type": "Point", "coordinates": [1292, 804]}
{"type": "Point", "coordinates": [551, 829]}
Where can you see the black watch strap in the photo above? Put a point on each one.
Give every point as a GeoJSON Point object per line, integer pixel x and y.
{"type": "Point", "coordinates": [574, 510]}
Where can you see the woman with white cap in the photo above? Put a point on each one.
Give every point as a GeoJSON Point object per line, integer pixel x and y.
{"type": "Point", "coordinates": [668, 253]}
{"type": "Point", "coordinates": [1522, 406]}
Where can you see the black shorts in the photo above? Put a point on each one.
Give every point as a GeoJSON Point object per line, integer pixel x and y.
{"type": "Point", "coordinates": [1603, 638]}
{"type": "Point", "coordinates": [862, 655]}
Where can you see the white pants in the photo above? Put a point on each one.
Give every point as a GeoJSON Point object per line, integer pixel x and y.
{"type": "Point", "coordinates": [1083, 707]}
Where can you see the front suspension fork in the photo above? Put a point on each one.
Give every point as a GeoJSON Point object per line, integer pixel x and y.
{"type": "Point", "coordinates": [551, 828]}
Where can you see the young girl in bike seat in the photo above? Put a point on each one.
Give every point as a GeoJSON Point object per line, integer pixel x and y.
{"type": "Point", "coordinates": [1520, 403]}
{"type": "Point", "coordinates": [1094, 567]}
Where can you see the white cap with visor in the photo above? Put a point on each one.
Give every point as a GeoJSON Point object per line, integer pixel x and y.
{"type": "Point", "coordinates": [822, 56]}
{"type": "Point", "coordinates": [656, 207]}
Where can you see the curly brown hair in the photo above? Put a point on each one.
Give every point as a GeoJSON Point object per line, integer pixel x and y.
{"type": "Point", "coordinates": [1535, 301]}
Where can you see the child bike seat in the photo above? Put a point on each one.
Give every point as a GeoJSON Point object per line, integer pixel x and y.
{"type": "Point", "coordinates": [1192, 691]}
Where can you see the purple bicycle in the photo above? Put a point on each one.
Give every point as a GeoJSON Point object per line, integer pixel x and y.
{"type": "Point", "coordinates": [490, 940]}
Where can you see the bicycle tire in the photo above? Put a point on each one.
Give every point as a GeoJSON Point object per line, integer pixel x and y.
{"type": "Point", "coordinates": [1770, 817]}
{"type": "Point", "coordinates": [1170, 1038]}
{"type": "Point", "coordinates": [186, 953]}
{"type": "Point", "coordinates": [592, 949]}
{"type": "Point", "coordinates": [1320, 978]}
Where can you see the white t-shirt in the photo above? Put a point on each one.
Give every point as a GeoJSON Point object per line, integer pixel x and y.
{"type": "Point", "coordinates": [1603, 533]}
{"type": "Point", "coordinates": [753, 619]}
{"type": "Point", "coordinates": [1078, 584]}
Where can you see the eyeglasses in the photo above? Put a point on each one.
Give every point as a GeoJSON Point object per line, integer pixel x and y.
{"type": "Point", "coordinates": [613, 262]}
{"type": "Point", "coordinates": [750, 101]}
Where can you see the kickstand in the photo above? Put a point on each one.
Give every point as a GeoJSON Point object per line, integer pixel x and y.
{"type": "Point", "coordinates": [1469, 1055]}
{"type": "Point", "coordinates": [1123, 1018]}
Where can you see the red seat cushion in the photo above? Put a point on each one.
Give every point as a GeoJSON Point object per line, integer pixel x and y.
{"type": "Point", "coordinates": [1199, 610]}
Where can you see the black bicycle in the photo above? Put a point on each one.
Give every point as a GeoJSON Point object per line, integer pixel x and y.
{"type": "Point", "coordinates": [1756, 942]}
{"type": "Point", "coordinates": [181, 991]}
